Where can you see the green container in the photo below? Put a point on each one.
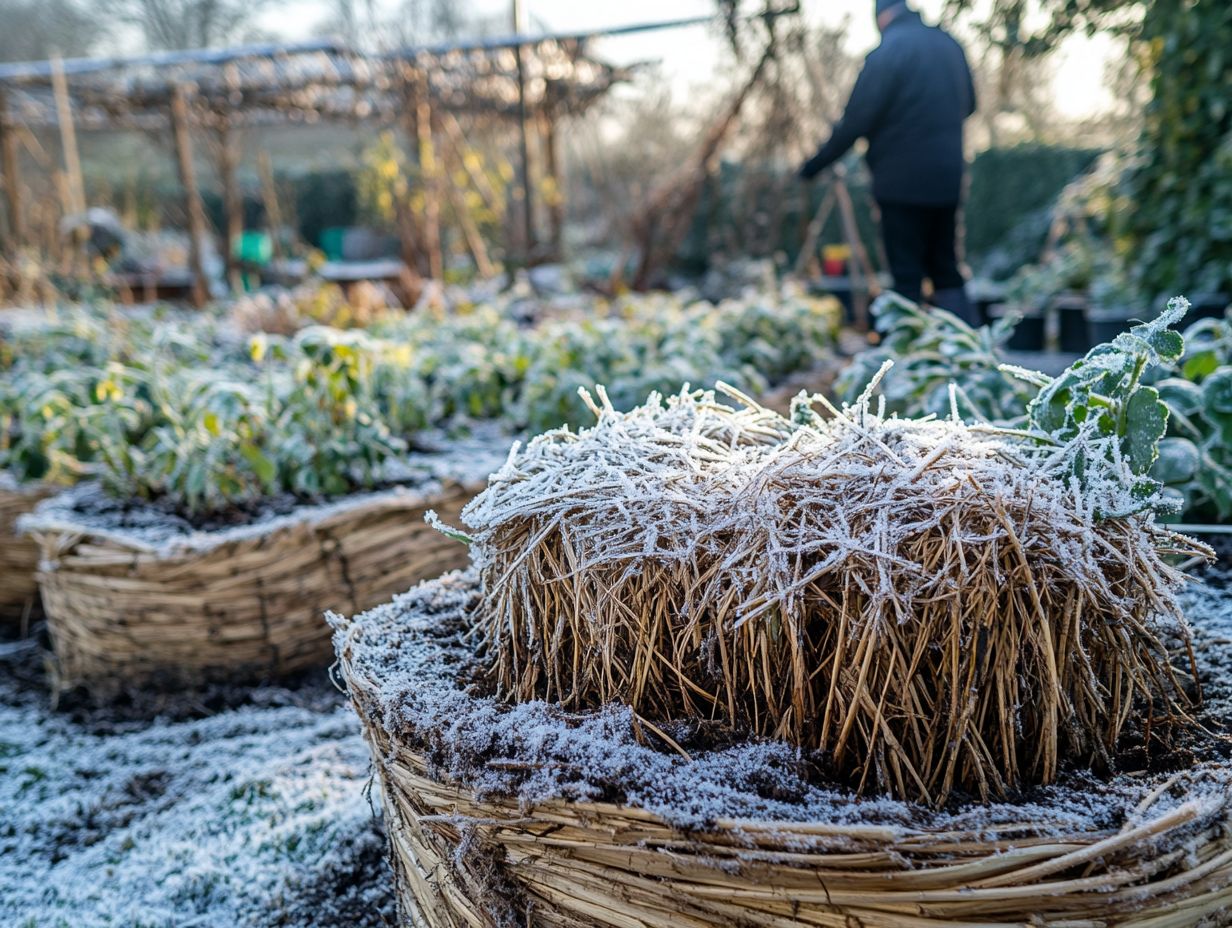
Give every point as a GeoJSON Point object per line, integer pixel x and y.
{"type": "Point", "coordinates": [253, 248]}
{"type": "Point", "coordinates": [331, 242]}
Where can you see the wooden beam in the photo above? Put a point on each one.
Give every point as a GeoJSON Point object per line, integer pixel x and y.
{"type": "Point", "coordinates": [10, 164]}
{"type": "Point", "coordinates": [181, 132]}
{"type": "Point", "coordinates": [232, 202]}
{"type": "Point", "coordinates": [470, 231]}
{"type": "Point", "coordinates": [457, 139]}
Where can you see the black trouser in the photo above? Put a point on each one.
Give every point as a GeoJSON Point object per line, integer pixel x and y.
{"type": "Point", "coordinates": [920, 243]}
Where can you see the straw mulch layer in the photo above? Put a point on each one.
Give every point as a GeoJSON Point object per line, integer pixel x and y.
{"type": "Point", "coordinates": [504, 815]}
{"type": "Point", "coordinates": [244, 604]}
{"type": "Point", "coordinates": [932, 607]}
{"type": "Point", "coordinates": [18, 556]}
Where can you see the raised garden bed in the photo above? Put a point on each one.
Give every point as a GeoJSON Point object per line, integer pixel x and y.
{"type": "Point", "coordinates": [527, 815]}
{"type": "Point", "coordinates": [723, 667]}
{"type": "Point", "coordinates": [18, 556]}
{"type": "Point", "coordinates": [134, 596]}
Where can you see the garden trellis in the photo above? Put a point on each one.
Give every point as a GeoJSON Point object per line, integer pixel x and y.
{"type": "Point", "coordinates": [428, 90]}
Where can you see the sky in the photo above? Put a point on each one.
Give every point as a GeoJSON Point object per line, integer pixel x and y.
{"type": "Point", "coordinates": [689, 57]}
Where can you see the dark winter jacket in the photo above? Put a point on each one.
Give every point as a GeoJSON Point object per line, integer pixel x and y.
{"type": "Point", "coordinates": [910, 102]}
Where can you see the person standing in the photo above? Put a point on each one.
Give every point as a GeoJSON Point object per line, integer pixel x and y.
{"type": "Point", "coordinates": [910, 102]}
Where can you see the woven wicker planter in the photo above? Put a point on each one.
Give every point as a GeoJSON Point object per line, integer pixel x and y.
{"type": "Point", "coordinates": [18, 556]}
{"type": "Point", "coordinates": [518, 816]}
{"type": "Point", "coordinates": [233, 605]}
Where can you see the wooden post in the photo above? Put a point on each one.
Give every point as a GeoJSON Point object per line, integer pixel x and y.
{"type": "Point", "coordinates": [68, 136]}
{"type": "Point", "coordinates": [10, 156]}
{"type": "Point", "coordinates": [269, 197]}
{"type": "Point", "coordinates": [232, 203]}
{"type": "Point", "coordinates": [555, 193]}
{"type": "Point", "coordinates": [528, 200]}
{"type": "Point", "coordinates": [180, 130]}
{"type": "Point", "coordinates": [429, 177]}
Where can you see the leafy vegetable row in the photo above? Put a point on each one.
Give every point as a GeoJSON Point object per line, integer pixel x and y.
{"type": "Point", "coordinates": [187, 411]}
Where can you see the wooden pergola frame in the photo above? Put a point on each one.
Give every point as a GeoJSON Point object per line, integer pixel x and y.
{"type": "Point", "coordinates": [424, 90]}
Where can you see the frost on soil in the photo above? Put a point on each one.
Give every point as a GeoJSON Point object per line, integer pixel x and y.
{"type": "Point", "coordinates": [421, 682]}
{"type": "Point", "coordinates": [257, 817]}
{"type": "Point", "coordinates": [252, 818]}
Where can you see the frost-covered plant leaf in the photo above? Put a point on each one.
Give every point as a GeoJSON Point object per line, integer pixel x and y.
{"type": "Point", "coordinates": [1103, 397]}
{"type": "Point", "coordinates": [932, 350]}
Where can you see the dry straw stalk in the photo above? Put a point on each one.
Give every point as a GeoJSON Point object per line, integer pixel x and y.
{"type": "Point", "coordinates": [932, 607]}
{"type": "Point", "coordinates": [244, 609]}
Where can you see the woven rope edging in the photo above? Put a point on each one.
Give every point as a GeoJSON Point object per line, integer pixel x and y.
{"type": "Point", "coordinates": [246, 609]}
{"type": "Point", "coordinates": [464, 860]}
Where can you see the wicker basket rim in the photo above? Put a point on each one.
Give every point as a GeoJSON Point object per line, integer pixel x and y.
{"type": "Point", "coordinates": [52, 517]}
{"type": "Point", "coordinates": [28, 489]}
{"type": "Point", "coordinates": [1202, 793]}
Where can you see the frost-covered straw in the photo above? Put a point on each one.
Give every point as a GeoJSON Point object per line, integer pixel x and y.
{"type": "Point", "coordinates": [934, 607]}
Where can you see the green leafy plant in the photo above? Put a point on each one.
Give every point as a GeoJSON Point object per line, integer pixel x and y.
{"type": "Point", "coordinates": [931, 350]}
{"type": "Point", "coordinates": [1101, 405]}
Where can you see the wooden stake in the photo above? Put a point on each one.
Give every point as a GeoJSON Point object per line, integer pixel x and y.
{"type": "Point", "coordinates": [269, 197]}
{"type": "Point", "coordinates": [808, 250]}
{"type": "Point", "coordinates": [192, 195]}
{"type": "Point", "coordinates": [663, 221]}
{"type": "Point", "coordinates": [470, 231]}
{"type": "Point", "coordinates": [233, 205]}
{"type": "Point", "coordinates": [429, 177]}
{"type": "Point", "coordinates": [859, 253]}
{"type": "Point", "coordinates": [528, 199]}
{"type": "Point", "coordinates": [68, 136]}
{"type": "Point", "coordinates": [457, 140]}
{"type": "Point", "coordinates": [10, 157]}
{"type": "Point", "coordinates": [556, 192]}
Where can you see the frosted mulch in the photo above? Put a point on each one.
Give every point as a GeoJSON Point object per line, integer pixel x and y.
{"type": "Point", "coordinates": [252, 818]}
{"type": "Point", "coordinates": [410, 651]}
{"type": "Point", "coordinates": [87, 508]}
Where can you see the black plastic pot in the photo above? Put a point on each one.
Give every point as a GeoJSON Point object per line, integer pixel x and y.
{"type": "Point", "coordinates": [1030, 332]}
{"type": "Point", "coordinates": [1103, 325]}
{"type": "Point", "coordinates": [1073, 334]}
{"type": "Point", "coordinates": [986, 298]}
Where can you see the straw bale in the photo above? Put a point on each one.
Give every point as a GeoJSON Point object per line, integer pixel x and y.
{"type": "Point", "coordinates": [931, 607]}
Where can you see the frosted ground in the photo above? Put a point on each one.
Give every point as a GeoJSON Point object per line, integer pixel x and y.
{"type": "Point", "coordinates": [256, 815]}
{"type": "Point", "coordinates": [231, 808]}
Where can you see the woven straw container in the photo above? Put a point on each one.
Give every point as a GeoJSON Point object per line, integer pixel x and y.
{"type": "Point", "coordinates": [524, 815]}
{"type": "Point", "coordinates": [18, 556]}
{"type": "Point", "coordinates": [239, 604]}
